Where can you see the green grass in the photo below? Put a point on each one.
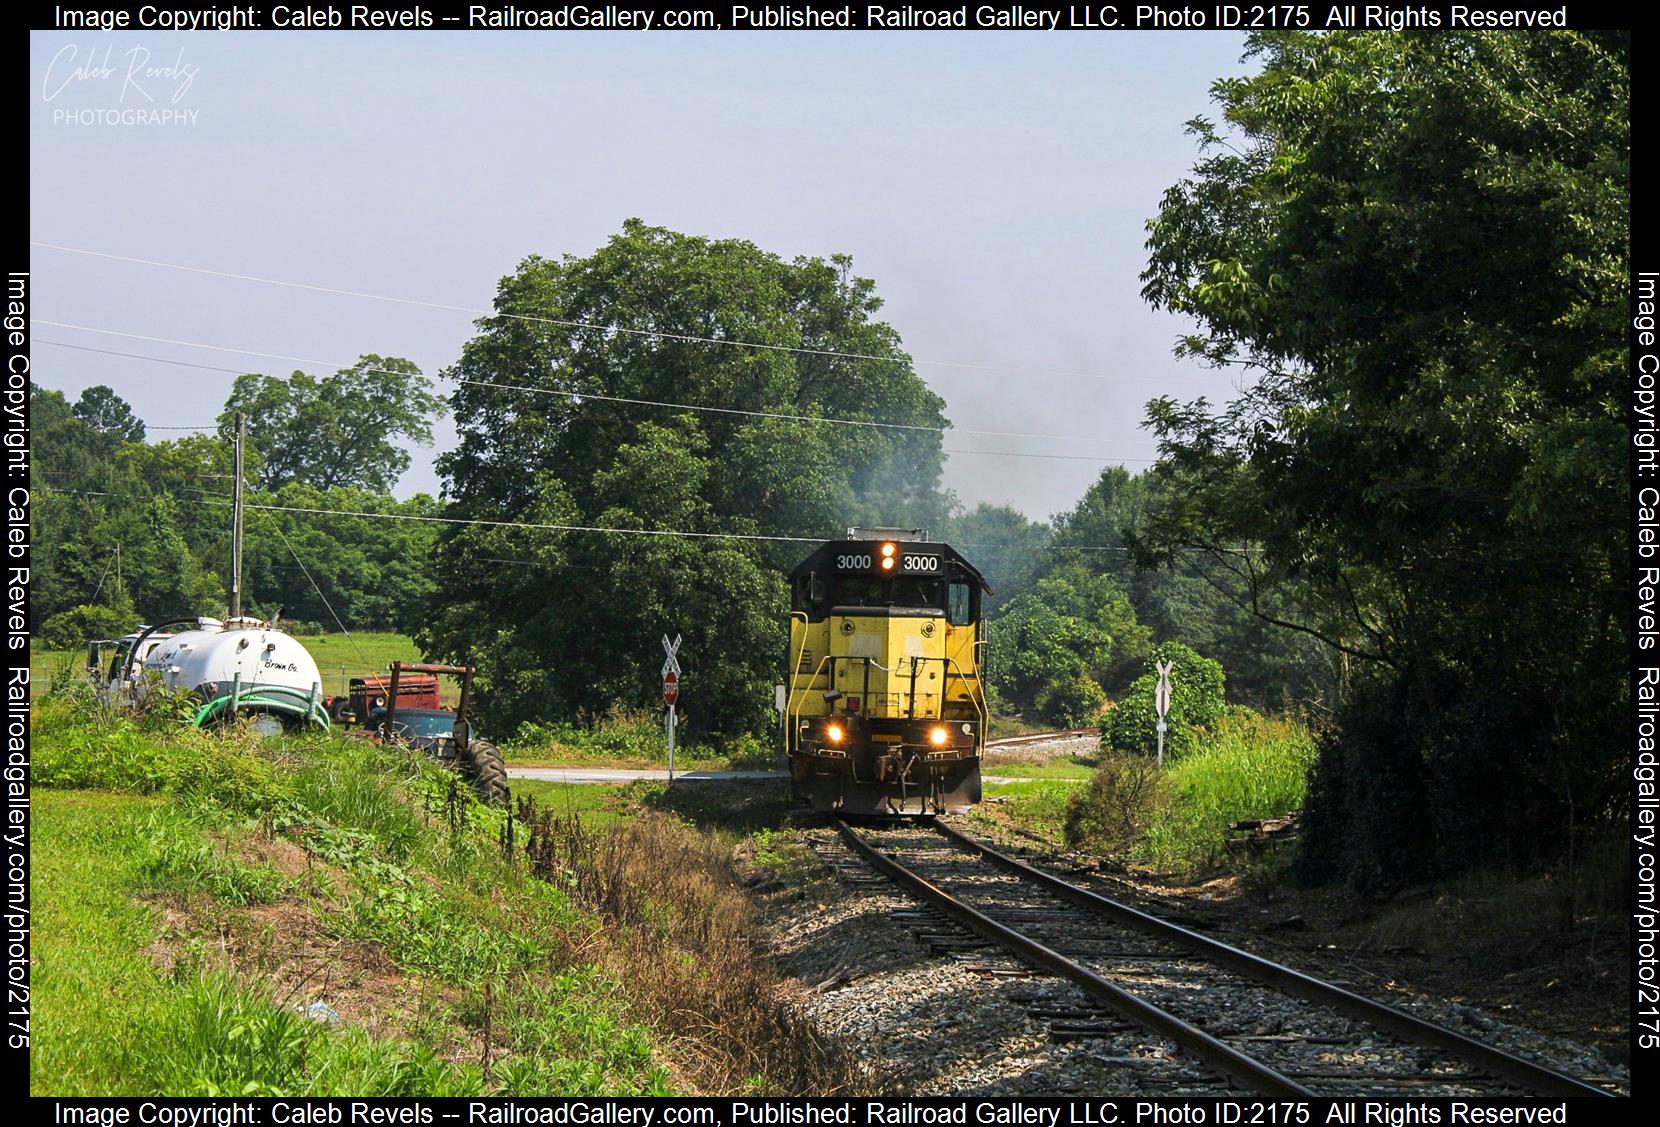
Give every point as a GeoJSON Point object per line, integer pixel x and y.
{"type": "Point", "coordinates": [109, 1021]}
{"type": "Point", "coordinates": [399, 860]}
{"type": "Point", "coordinates": [598, 804]}
{"type": "Point", "coordinates": [93, 988]}
{"type": "Point", "coordinates": [1245, 767]}
{"type": "Point", "coordinates": [632, 740]}
{"type": "Point", "coordinates": [1061, 767]}
{"type": "Point", "coordinates": [1038, 806]}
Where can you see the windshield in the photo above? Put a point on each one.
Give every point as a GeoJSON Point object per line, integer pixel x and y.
{"type": "Point", "coordinates": [423, 722]}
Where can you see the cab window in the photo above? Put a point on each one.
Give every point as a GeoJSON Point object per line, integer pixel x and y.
{"type": "Point", "coordinates": [959, 608]}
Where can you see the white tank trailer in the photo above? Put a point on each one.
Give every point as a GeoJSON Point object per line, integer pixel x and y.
{"type": "Point", "coordinates": [242, 666]}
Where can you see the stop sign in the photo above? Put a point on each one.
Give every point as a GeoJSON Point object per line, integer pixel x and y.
{"type": "Point", "coordinates": [671, 688]}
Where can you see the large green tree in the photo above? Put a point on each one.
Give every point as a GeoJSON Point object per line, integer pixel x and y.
{"type": "Point", "coordinates": [1414, 248]}
{"type": "Point", "coordinates": [1007, 547]}
{"type": "Point", "coordinates": [353, 428]}
{"type": "Point", "coordinates": [563, 419]}
{"type": "Point", "coordinates": [1190, 599]}
{"type": "Point", "coordinates": [1056, 647]}
{"type": "Point", "coordinates": [107, 413]}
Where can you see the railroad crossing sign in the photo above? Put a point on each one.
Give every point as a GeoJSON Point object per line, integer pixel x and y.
{"type": "Point", "coordinates": [671, 692]}
{"type": "Point", "coordinates": [1161, 701]}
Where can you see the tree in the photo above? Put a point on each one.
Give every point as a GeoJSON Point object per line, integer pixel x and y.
{"type": "Point", "coordinates": [349, 429]}
{"type": "Point", "coordinates": [1183, 599]}
{"type": "Point", "coordinates": [557, 427]}
{"type": "Point", "coordinates": [1055, 647]}
{"type": "Point", "coordinates": [1006, 547]}
{"type": "Point", "coordinates": [1417, 248]}
{"type": "Point", "coordinates": [107, 413]}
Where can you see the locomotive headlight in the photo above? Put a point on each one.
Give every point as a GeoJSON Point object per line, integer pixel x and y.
{"type": "Point", "coordinates": [887, 563]}
{"type": "Point", "coordinates": [834, 731]}
{"type": "Point", "coordinates": [937, 735]}
{"type": "Point", "coordinates": [888, 549]}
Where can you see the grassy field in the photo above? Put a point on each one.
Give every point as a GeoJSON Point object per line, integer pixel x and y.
{"type": "Point", "coordinates": [1070, 767]}
{"type": "Point", "coordinates": [221, 914]}
{"type": "Point", "coordinates": [623, 738]}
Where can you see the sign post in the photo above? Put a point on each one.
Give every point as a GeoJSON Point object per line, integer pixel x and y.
{"type": "Point", "coordinates": [671, 692]}
{"type": "Point", "coordinates": [1161, 701]}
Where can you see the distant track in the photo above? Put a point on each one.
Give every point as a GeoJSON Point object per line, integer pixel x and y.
{"type": "Point", "coordinates": [1326, 1040]}
{"type": "Point", "coordinates": [1044, 737]}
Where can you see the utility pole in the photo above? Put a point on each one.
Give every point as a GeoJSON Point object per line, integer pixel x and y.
{"type": "Point", "coordinates": [236, 521]}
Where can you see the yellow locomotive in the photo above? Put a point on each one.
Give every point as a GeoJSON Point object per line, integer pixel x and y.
{"type": "Point", "coordinates": [884, 708]}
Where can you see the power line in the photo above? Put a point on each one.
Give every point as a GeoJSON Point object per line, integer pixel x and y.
{"type": "Point", "coordinates": [550, 527]}
{"type": "Point", "coordinates": [330, 606]}
{"type": "Point", "coordinates": [655, 334]}
{"type": "Point", "coordinates": [479, 521]}
{"type": "Point", "coordinates": [577, 395]}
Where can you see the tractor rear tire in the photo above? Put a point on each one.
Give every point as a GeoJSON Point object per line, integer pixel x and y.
{"type": "Point", "coordinates": [487, 771]}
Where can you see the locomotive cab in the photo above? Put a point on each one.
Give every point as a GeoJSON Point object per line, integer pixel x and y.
{"type": "Point", "coordinates": [885, 712]}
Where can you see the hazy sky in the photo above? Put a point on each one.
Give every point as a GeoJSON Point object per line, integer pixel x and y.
{"type": "Point", "coordinates": [995, 185]}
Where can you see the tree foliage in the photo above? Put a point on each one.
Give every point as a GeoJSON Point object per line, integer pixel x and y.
{"type": "Point", "coordinates": [568, 622]}
{"type": "Point", "coordinates": [108, 414]}
{"type": "Point", "coordinates": [141, 532]}
{"type": "Point", "coordinates": [351, 429]}
{"type": "Point", "coordinates": [1417, 247]}
{"type": "Point", "coordinates": [1004, 544]}
{"type": "Point", "coordinates": [1183, 599]}
{"type": "Point", "coordinates": [1055, 646]}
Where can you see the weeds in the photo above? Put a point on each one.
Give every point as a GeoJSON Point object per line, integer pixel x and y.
{"type": "Point", "coordinates": [677, 934]}
{"type": "Point", "coordinates": [1247, 767]}
{"type": "Point", "coordinates": [1114, 810]}
{"type": "Point", "coordinates": [1178, 817]}
{"type": "Point", "coordinates": [177, 855]}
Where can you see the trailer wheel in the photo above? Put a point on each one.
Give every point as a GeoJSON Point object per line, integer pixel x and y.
{"type": "Point", "coordinates": [486, 770]}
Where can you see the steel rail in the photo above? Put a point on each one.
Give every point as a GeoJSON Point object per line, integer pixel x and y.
{"type": "Point", "coordinates": [1216, 1053]}
{"type": "Point", "coordinates": [1497, 1062]}
{"type": "Point", "coordinates": [1043, 737]}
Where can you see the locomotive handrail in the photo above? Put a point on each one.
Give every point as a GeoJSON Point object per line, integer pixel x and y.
{"type": "Point", "coordinates": [791, 713]}
{"type": "Point", "coordinates": [980, 707]}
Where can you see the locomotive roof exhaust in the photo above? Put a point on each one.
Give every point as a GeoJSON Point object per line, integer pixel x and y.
{"type": "Point", "coordinates": [913, 535]}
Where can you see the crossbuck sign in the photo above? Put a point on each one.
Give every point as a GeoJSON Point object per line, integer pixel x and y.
{"type": "Point", "coordinates": [1161, 701]}
{"type": "Point", "coordinates": [671, 690]}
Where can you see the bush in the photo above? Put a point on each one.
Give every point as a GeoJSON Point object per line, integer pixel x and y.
{"type": "Point", "coordinates": [1115, 809]}
{"type": "Point", "coordinates": [77, 626]}
{"type": "Point", "coordinates": [1196, 702]}
{"type": "Point", "coordinates": [1072, 701]}
{"type": "Point", "coordinates": [618, 734]}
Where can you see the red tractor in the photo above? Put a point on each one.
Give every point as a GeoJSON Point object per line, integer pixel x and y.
{"type": "Point", "coordinates": [405, 708]}
{"type": "Point", "coordinates": [370, 694]}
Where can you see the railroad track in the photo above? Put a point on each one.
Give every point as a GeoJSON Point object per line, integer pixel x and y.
{"type": "Point", "coordinates": [1259, 1024]}
{"type": "Point", "coordinates": [1044, 737]}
